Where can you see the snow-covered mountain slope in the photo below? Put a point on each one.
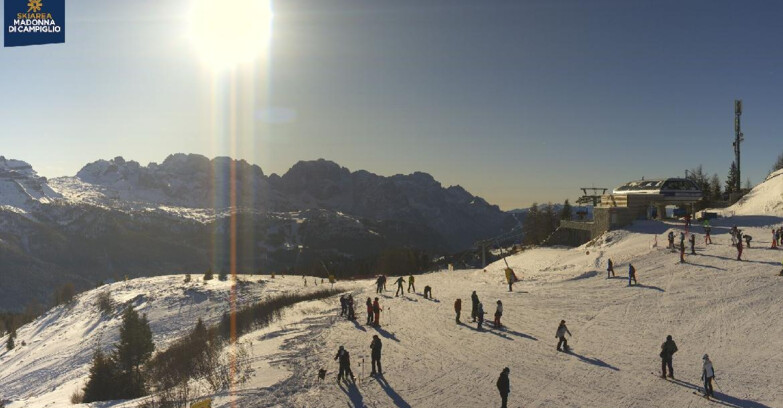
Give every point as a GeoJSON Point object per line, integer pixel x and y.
{"type": "Point", "coordinates": [55, 359]}
{"type": "Point", "coordinates": [764, 199]}
{"type": "Point", "coordinates": [21, 188]}
{"type": "Point", "coordinates": [710, 304]}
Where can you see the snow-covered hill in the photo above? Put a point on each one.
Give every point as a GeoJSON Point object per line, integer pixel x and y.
{"type": "Point", "coordinates": [710, 304]}
{"type": "Point", "coordinates": [764, 199]}
{"type": "Point", "coordinates": [58, 346]}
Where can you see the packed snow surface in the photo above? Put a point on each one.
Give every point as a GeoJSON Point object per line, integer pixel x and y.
{"type": "Point", "coordinates": [764, 199]}
{"type": "Point", "coordinates": [710, 304]}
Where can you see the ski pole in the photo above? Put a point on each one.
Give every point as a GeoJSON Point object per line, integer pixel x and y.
{"type": "Point", "coordinates": [716, 383]}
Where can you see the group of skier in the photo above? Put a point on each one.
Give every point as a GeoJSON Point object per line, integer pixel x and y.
{"type": "Point", "coordinates": [477, 311]}
{"type": "Point", "coordinates": [668, 348]}
{"type": "Point", "coordinates": [346, 307]}
{"type": "Point", "coordinates": [344, 358]}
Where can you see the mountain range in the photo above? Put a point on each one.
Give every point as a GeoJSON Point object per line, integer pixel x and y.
{"type": "Point", "coordinates": [118, 218]}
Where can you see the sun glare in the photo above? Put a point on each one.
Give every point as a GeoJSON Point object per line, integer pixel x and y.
{"type": "Point", "coordinates": [230, 32]}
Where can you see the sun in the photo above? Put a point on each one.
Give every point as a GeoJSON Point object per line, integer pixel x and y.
{"type": "Point", "coordinates": [227, 33]}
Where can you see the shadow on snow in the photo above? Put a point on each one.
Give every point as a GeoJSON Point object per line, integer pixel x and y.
{"type": "Point", "coordinates": [396, 398]}
{"type": "Point", "coordinates": [721, 398]}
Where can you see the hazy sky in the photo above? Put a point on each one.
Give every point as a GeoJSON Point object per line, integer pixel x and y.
{"type": "Point", "coordinates": [517, 101]}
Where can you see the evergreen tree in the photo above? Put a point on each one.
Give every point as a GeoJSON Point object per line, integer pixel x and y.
{"type": "Point", "coordinates": [208, 275]}
{"type": "Point", "coordinates": [10, 343]}
{"type": "Point", "coordinates": [778, 163]}
{"type": "Point", "coordinates": [699, 177]}
{"type": "Point", "coordinates": [187, 278]}
{"type": "Point", "coordinates": [103, 383]}
{"type": "Point", "coordinates": [731, 180]}
{"type": "Point", "coordinates": [715, 192]}
{"type": "Point", "coordinates": [567, 212]}
{"type": "Point", "coordinates": [222, 275]}
{"type": "Point", "coordinates": [548, 222]}
{"type": "Point", "coordinates": [133, 350]}
{"type": "Point", "coordinates": [529, 227]}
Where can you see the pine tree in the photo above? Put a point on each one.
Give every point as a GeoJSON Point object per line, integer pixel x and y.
{"type": "Point", "coordinates": [103, 383]}
{"type": "Point", "coordinates": [715, 192]}
{"type": "Point", "coordinates": [567, 212]}
{"type": "Point", "coordinates": [208, 275]}
{"type": "Point", "coordinates": [731, 180]}
{"type": "Point", "coordinates": [529, 226]}
{"type": "Point", "coordinates": [778, 163]}
{"type": "Point", "coordinates": [133, 350]}
{"type": "Point", "coordinates": [10, 343]}
{"type": "Point", "coordinates": [187, 278]}
{"type": "Point", "coordinates": [548, 222]}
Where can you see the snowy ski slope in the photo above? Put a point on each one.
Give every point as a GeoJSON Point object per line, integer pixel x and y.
{"type": "Point", "coordinates": [711, 304]}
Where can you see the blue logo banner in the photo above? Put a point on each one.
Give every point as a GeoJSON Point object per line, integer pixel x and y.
{"type": "Point", "coordinates": [34, 22]}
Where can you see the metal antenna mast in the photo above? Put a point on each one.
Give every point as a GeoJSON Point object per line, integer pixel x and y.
{"type": "Point", "coordinates": [738, 138]}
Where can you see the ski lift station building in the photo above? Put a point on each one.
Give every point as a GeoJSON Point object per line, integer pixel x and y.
{"type": "Point", "coordinates": [635, 200]}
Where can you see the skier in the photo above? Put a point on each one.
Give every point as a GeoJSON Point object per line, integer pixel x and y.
{"type": "Point", "coordinates": [376, 308]}
{"type": "Point", "coordinates": [399, 283]}
{"type": "Point", "coordinates": [733, 232]}
{"type": "Point", "coordinates": [343, 305]}
{"type": "Point", "coordinates": [369, 311]}
{"type": "Point", "coordinates": [668, 348]}
{"type": "Point", "coordinates": [707, 229]}
{"type": "Point", "coordinates": [351, 313]}
{"type": "Point", "coordinates": [480, 315]}
{"type": "Point", "coordinates": [693, 244]}
{"type": "Point", "coordinates": [498, 314]}
{"type": "Point", "coordinates": [474, 307]}
{"type": "Point", "coordinates": [410, 284]}
{"type": "Point", "coordinates": [610, 269]}
{"type": "Point", "coordinates": [631, 275]}
{"type": "Point", "coordinates": [345, 365]}
{"type": "Point", "coordinates": [682, 251]}
{"type": "Point", "coordinates": [504, 387]}
{"type": "Point", "coordinates": [682, 238]}
{"type": "Point", "coordinates": [707, 374]}
{"type": "Point", "coordinates": [774, 239]}
{"type": "Point", "coordinates": [739, 250]}
{"type": "Point", "coordinates": [671, 240]}
{"type": "Point", "coordinates": [375, 355]}
{"type": "Point", "coordinates": [510, 278]}
{"type": "Point", "coordinates": [427, 292]}
{"type": "Point", "coordinates": [383, 282]}
{"type": "Point", "coordinates": [748, 238]}
{"type": "Point", "coordinates": [458, 308]}
{"type": "Point", "coordinates": [379, 284]}
{"type": "Point", "coordinates": [560, 334]}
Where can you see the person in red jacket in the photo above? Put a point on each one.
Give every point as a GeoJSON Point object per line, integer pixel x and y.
{"type": "Point", "coordinates": [376, 308]}
{"type": "Point", "coordinates": [458, 308]}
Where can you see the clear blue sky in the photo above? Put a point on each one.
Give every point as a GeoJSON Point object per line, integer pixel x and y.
{"type": "Point", "coordinates": [517, 101]}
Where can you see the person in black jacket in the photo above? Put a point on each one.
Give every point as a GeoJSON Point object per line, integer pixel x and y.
{"type": "Point", "coordinates": [474, 308]}
{"type": "Point", "coordinates": [376, 346]}
{"type": "Point", "coordinates": [345, 365]}
{"type": "Point", "coordinates": [668, 348]}
{"type": "Point", "coordinates": [504, 387]}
